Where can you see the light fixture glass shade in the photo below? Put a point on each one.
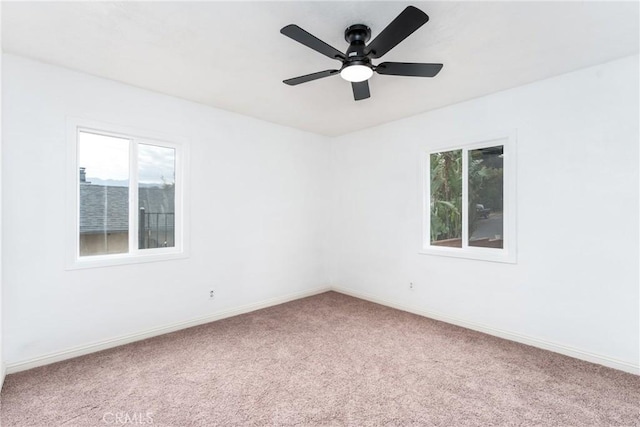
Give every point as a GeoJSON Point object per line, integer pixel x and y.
{"type": "Point", "coordinates": [356, 73]}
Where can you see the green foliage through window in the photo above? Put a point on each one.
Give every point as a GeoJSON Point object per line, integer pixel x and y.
{"type": "Point", "coordinates": [485, 196]}
{"type": "Point", "coordinates": [446, 195]}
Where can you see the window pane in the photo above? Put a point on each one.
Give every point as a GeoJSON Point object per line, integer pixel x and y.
{"type": "Point", "coordinates": [486, 197]}
{"type": "Point", "coordinates": [156, 196]}
{"type": "Point", "coordinates": [446, 198]}
{"type": "Point", "coordinates": [104, 194]}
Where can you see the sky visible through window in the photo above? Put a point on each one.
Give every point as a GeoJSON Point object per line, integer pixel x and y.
{"type": "Point", "coordinates": [106, 161]}
{"type": "Point", "coordinates": [156, 165]}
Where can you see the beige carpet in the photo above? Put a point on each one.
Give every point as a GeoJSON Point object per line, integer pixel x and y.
{"type": "Point", "coordinates": [324, 360]}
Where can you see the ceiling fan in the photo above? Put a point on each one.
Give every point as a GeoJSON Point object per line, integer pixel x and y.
{"type": "Point", "coordinates": [356, 61]}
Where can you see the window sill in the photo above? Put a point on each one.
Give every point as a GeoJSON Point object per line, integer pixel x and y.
{"type": "Point", "coordinates": [477, 254]}
{"type": "Point", "coordinates": [99, 261]}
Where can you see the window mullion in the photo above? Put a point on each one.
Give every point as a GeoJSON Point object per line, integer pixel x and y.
{"type": "Point", "coordinates": [465, 198]}
{"type": "Point", "coordinates": [133, 197]}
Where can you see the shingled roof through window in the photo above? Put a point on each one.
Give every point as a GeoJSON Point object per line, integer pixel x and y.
{"type": "Point", "coordinates": [106, 208]}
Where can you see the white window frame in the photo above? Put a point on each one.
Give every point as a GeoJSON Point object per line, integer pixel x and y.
{"type": "Point", "coordinates": [508, 253]}
{"type": "Point", "coordinates": [134, 255]}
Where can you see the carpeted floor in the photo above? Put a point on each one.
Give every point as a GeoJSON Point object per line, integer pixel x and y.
{"type": "Point", "coordinates": [325, 360]}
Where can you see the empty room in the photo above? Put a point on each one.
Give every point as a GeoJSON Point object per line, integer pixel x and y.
{"type": "Point", "coordinates": [332, 213]}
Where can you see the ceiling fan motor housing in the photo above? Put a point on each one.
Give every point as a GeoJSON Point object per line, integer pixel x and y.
{"type": "Point", "coordinates": [357, 36]}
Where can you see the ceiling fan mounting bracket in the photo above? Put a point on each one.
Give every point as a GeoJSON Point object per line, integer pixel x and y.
{"type": "Point", "coordinates": [358, 33]}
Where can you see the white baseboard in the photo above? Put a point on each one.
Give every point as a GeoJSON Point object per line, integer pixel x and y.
{"type": "Point", "coordinates": [126, 339]}
{"type": "Point", "coordinates": [513, 336]}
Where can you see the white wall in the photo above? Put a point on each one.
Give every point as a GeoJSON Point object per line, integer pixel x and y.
{"type": "Point", "coordinates": [259, 214]}
{"type": "Point", "coordinates": [258, 200]}
{"type": "Point", "coordinates": [2, 365]}
{"type": "Point", "coordinates": [576, 280]}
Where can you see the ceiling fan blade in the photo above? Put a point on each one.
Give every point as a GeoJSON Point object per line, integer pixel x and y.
{"type": "Point", "coordinates": [360, 90]}
{"type": "Point", "coordinates": [408, 69]}
{"type": "Point", "coordinates": [311, 41]}
{"type": "Point", "coordinates": [399, 29]}
{"type": "Point", "coordinates": [309, 77]}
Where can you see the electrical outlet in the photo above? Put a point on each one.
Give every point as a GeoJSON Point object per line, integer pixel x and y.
{"type": "Point", "coordinates": [212, 294]}
{"type": "Point", "coordinates": [411, 286]}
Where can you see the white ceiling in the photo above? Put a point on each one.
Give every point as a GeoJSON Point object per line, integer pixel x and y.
{"type": "Point", "coordinates": [231, 55]}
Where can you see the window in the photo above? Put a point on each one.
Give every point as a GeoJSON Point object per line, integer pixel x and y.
{"type": "Point", "coordinates": [127, 202]}
{"type": "Point", "coordinates": [469, 200]}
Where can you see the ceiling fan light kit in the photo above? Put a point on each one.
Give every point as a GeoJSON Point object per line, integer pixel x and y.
{"type": "Point", "coordinates": [356, 61]}
{"type": "Point", "coordinates": [356, 73]}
